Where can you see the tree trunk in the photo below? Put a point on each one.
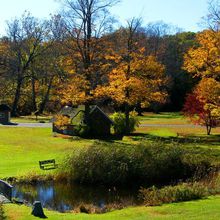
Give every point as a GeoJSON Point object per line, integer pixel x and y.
{"type": "Point", "coordinates": [139, 109]}
{"type": "Point", "coordinates": [46, 97]}
{"type": "Point", "coordinates": [127, 111]}
{"type": "Point", "coordinates": [16, 98]}
{"type": "Point", "coordinates": [209, 124]}
{"type": "Point", "coordinates": [34, 104]}
{"type": "Point", "coordinates": [208, 129]}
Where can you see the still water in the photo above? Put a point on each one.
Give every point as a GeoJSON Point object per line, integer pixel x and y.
{"type": "Point", "coordinates": [65, 197]}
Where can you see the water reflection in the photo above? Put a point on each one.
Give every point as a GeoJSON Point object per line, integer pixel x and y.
{"type": "Point", "coordinates": [65, 197]}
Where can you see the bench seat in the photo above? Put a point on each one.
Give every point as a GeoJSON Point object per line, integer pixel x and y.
{"type": "Point", "coordinates": [48, 164]}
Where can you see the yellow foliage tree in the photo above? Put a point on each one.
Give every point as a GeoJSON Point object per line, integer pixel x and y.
{"type": "Point", "coordinates": [134, 78]}
{"type": "Point", "coordinates": [143, 85]}
{"type": "Point", "coordinates": [204, 60]}
{"type": "Point", "coordinates": [74, 91]}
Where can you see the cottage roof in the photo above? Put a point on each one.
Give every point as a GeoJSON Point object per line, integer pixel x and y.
{"type": "Point", "coordinates": [68, 111]}
{"type": "Point", "coordinates": [96, 108]}
{"type": "Point", "coordinates": [4, 107]}
{"type": "Point", "coordinates": [72, 112]}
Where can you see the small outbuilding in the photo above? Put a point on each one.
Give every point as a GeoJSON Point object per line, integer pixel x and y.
{"type": "Point", "coordinates": [98, 122]}
{"type": "Point", "coordinates": [5, 114]}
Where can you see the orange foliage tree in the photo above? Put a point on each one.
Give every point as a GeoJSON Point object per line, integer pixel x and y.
{"type": "Point", "coordinates": [85, 23]}
{"type": "Point", "coordinates": [134, 77]}
{"type": "Point", "coordinates": [203, 62]}
{"type": "Point", "coordinates": [203, 105]}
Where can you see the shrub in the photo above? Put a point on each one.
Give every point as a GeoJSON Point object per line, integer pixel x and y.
{"type": "Point", "coordinates": [61, 121]}
{"type": "Point", "coordinates": [182, 192]}
{"type": "Point", "coordinates": [82, 130]}
{"type": "Point", "coordinates": [119, 125]}
{"type": "Point", "coordinates": [115, 164]}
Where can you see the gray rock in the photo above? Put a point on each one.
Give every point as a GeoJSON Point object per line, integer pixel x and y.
{"type": "Point", "coordinates": [3, 199]}
{"type": "Point", "coordinates": [38, 210]}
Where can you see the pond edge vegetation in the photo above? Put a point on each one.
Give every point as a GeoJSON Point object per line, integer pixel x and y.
{"type": "Point", "coordinates": [167, 172]}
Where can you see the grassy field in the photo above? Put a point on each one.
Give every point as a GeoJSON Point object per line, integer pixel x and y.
{"type": "Point", "coordinates": [31, 119]}
{"type": "Point", "coordinates": [174, 120]}
{"type": "Point", "coordinates": [164, 118]}
{"type": "Point", "coordinates": [22, 148]}
{"type": "Point", "coordinates": [207, 209]}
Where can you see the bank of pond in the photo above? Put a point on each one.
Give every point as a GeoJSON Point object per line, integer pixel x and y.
{"type": "Point", "coordinates": [108, 176]}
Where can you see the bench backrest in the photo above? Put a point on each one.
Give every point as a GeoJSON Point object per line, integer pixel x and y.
{"type": "Point", "coordinates": [46, 162]}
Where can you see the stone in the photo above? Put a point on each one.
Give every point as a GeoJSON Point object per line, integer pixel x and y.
{"type": "Point", "coordinates": [3, 199]}
{"type": "Point", "coordinates": [38, 210]}
{"type": "Point", "coordinates": [6, 189]}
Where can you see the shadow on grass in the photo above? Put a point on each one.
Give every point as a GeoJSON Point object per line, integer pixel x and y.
{"type": "Point", "coordinates": [9, 123]}
{"type": "Point", "coordinates": [212, 140]}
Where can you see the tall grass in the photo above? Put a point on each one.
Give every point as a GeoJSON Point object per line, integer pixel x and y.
{"type": "Point", "coordinates": [116, 164]}
{"type": "Point", "coordinates": [181, 192]}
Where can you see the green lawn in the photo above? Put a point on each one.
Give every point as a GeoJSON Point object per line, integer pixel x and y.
{"type": "Point", "coordinates": [22, 148]}
{"type": "Point", "coordinates": [164, 118]}
{"type": "Point", "coordinates": [207, 209]}
{"type": "Point", "coordinates": [31, 119]}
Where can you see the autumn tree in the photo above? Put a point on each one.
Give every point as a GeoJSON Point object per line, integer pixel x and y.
{"type": "Point", "coordinates": [202, 106]}
{"type": "Point", "coordinates": [169, 44]}
{"type": "Point", "coordinates": [23, 45]}
{"type": "Point", "coordinates": [203, 62]}
{"type": "Point", "coordinates": [6, 87]}
{"type": "Point", "coordinates": [85, 22]}
{"type": "Point", "coordinates": [46, 75]}
{"type": "Point", "coordinates": [135, 77]}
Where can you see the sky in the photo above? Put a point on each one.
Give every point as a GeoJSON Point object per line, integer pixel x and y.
{"type": "Point", "coordinates": [185, 14]}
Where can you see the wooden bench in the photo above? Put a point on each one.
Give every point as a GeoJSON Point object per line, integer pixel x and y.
{"type": "Point", "coordinates": [48, 164]}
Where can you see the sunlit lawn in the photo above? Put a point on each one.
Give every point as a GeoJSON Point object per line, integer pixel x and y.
{"type": "Point", "coordinates": [207, 209]}
{"type": "Point", "coordinates": [163, 118]}
{"type": "Point", "coordinates": [175, 131]}
{"type": "Point", "coordinates": [22, 148]}
{"type": "Point", "coordinates": [190, 137]}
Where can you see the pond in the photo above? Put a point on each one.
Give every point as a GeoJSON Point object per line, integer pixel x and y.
{"type": "Point", "coordinates": [64, 197]}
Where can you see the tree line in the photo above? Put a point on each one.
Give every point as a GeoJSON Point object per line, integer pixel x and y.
{"type": "Point", "coordinates": [80, 56]}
